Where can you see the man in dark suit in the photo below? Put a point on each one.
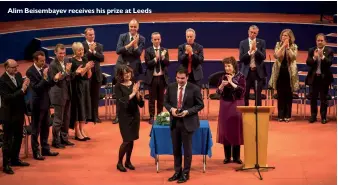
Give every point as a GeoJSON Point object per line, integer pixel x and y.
{"type": "Point", "coordinates": [94, 52]}
{"type": "Point", "coordinates": [40, 104]}
{"type": "Point", "coordinates": [191, 57]}
{"type": "Point", "coordinates": [129, 48]}
{"type": "Point", "coordinates": [157, 61]}
{"type": "Point", "coordinates": [251, 57]}
{"type": "Point", "coordinates": [60, 94]}
{"type": "Point", "coordinates": [183, 100]}
{"type": "Point", "coordinates": [319, 76]}
{"type": "Point", "coordinates": [13, 109]}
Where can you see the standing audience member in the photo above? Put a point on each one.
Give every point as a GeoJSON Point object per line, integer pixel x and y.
{"type": "Point", "coordinates": [191, 57]}
{"type": "Point", "coordinates": [251, 56]}
{"type": "Point", "coordinates": [157, 61]}
{"type": "Point", "coordinates": [12, 91]}
{"type": "Point", "coordinates": [94, 52]}
{"type": "Point", "coordinates": [60, 96]}
{"type": "Point", "coordinates": [284, 76]}
{"type": "Point", "coordinates": [40, 103]}
{"type": "Point", "coordinates": [80, 100]}
{"type": "Point", "coordinates": [320, 77]}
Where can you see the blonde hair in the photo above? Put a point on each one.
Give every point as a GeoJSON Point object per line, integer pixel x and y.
{"type": "Point", "coordinates": [290, 34]}
{"type": "Point", "coordinates": [76, 46]}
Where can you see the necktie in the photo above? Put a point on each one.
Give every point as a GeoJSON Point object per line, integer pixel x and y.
{"type": "Point", "coordinates": [14, 81]}
{"type": "Point", "coordinates": [189, 63]}
{"type": "Point", "coordinates": [158, 65]}
{"type": "Point", "coordinates": [41, 72]}
{"type": "Point", "coordinates": [252, 58]}
{"type": "Point", "coordinates": [318, 71]}
{"type": "Point", "coordinates": [179, 103]}
{"type": "Point", "coordinates": [131, 39]}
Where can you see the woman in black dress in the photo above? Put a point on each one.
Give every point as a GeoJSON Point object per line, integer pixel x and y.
{"type": "Point", "coordinates": [80, 100]}
{"type": "Point", "coordinates": [129, 100]}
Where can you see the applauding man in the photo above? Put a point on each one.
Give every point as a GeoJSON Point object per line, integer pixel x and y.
{"type": "Point", "coordinates": [94, 52]}
{"type": "Point", "coordinates": [251, 56]}
{"type": "Point", "coordinates": [191, 57]}
{"type": "Point", "coordinates": [12, 91]}
{"type": "Point", "coordinates": [40, 86]}
{"type": "Point", "coordinates": [320, 76]}
{"type": "Point", "coordinates": [157, 61]}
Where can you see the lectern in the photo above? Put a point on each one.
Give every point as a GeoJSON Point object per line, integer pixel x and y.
{"type": "Point", "coordinates": [255, 128]}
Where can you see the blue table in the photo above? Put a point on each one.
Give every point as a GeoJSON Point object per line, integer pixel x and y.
{"type": "Point", "coordinates": [160, 142]}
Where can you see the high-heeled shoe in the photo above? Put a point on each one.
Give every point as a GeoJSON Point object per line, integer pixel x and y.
{"type": "Point", "coordinates": [129, 166]}
{"type": "Point", "coordinates": [121, 168]}
{"type": "Point", "coordinates": [78, 139]}
{"type": "Point", "coordinates": [87, 138]}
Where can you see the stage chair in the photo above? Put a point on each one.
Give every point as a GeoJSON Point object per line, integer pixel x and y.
{"type": "Point", "coordinates": [213, 80]}
{"type": "Point", "coordinates": [308, 96]}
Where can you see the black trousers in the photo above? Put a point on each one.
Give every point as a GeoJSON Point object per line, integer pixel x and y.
{"type": "Point", "coordinates": [250, 83]}
{"type": "Point", "coordinates": [156, 92]}
{"type": "Point", "coordinates": [322, 89]}
{"type": "Point", "coordinates": [61, 122]}
{"type": "Point", "coordinates": [284, 93]}
{"type": "Point", "coordinates": [40, 126]}
{"type": "Point", "coordinates": [179, 135]}
{"type": "Point", "coordinates": [13, 134]}
{"type": "Point", "coordinates": [95, 97]}
{"type": "Point", "coordinates": [236, 152]}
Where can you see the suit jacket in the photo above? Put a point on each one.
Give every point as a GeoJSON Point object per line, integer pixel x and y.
{"type": "Point", "coordinates": [192, 101]}
{"type": "Point", "coordinates": [151, 65]}
{"type": "Point", "coordinates": [260, 55]}
{"type": "Point", "coordinates": [131, 56]}
{"type": "Point", "coordinates": [197, 59]}
{"type": "Point", "coordinates": [325, 66]}
{"type": "Point", "coordinates": [61, 90]}
{"type": "Point", "coordinates": [39, 88]}
{"type": "Point", "coordinates": [13, 106]}
{"type": "Point", "coordinates": [96, 58]}
{"type": "Point", "coordinates": [292, 67]}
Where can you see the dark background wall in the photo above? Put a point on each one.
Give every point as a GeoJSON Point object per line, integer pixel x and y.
{"type": "Point", "coordinates": [160, 7]}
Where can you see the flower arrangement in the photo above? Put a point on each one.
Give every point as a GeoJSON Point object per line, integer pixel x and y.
{"type": "Point", "coordinates": [163, 118]}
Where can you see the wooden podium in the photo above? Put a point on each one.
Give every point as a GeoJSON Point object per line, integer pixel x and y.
{"type": "Point", "coordinates": [249, 134]}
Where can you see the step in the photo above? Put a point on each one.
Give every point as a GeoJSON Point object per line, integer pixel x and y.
{"type": "Point", "coordinates": [331, 37]}
{"type": "Point", "coordinates": [64, 39]}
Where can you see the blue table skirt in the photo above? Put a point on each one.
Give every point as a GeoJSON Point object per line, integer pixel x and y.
{"type": "Point", "coordinates": [160, 141]}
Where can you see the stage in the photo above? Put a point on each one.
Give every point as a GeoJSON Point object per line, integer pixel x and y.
{"type": "Point", "coordinates": [302, 153]}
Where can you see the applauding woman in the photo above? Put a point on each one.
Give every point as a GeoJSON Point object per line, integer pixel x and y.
{"type": "Point", "coordinates": [231, 89]}
{"type": "Point", "coordinates": [129, 100]}
{"type": "Point", "coordinates": [284, 76]}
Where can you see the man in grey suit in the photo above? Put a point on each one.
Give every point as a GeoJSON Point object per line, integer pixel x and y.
{"type": "Point", "coordinates": [60, 94]}
{"type": "Point", "coordinates": [191, 57]}
{"type": "Point", "coordinates": [129, 48]}
{"type": "Point", "coordinates": [251, 57]}
{"type": "Point", "coordinates": [183, 100]}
